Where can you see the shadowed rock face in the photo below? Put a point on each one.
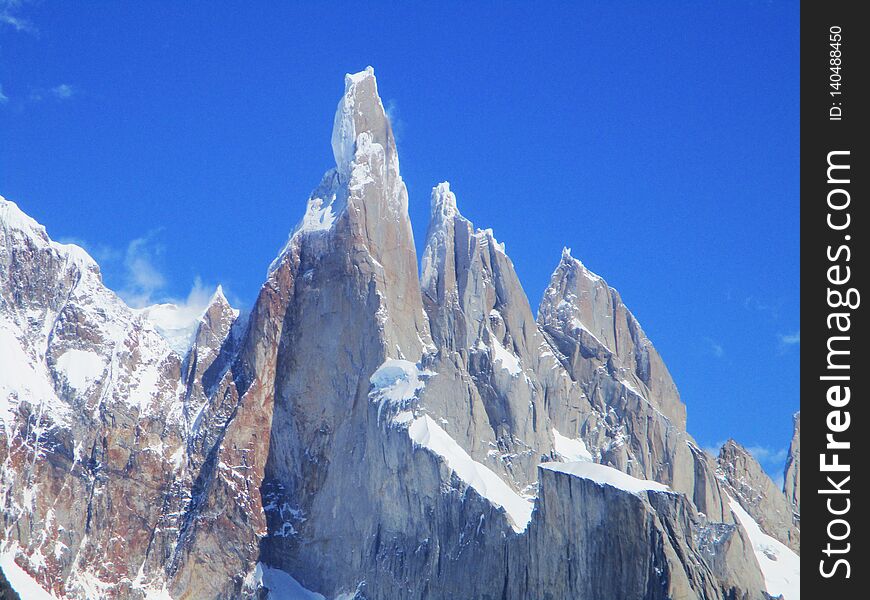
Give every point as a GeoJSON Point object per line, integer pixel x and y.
{"type": "Point", "coordinates": [369, 433]}
{"type": "Point", "coordinates": [669, 550]}
{"type": "Point", "coordinates": [792, 476]}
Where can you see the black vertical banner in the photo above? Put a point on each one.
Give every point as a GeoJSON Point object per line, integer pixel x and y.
{"type": "Point", "coordinates": [834, 371]}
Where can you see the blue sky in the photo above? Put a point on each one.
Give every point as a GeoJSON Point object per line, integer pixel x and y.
{"type": "Point", "coordinates": [179, 141]}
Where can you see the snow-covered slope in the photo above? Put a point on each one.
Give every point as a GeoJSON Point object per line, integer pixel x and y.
{"type": "Point", "coordinates": [779, 564]}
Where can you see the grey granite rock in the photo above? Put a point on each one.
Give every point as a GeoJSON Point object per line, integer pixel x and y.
{"type": "Point", "coordinates": [792, 475]}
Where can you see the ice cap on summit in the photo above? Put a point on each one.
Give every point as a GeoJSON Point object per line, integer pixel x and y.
{"type": "Point", "coordinates": [360, 110]}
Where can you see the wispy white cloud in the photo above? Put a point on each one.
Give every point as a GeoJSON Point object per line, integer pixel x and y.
{"type": "Point", "coordinates": [715, 347]}
{"type": "Point", "coordinates": [10, 17]}
{"type": "Point", "coordinates": [769, 456]}
{"type": "Point", "coordinates": [60, 93]}
{"type": "Point", "coordinates": [790, 339]}
{"type": "Point", "coordinates": [3, 97]}
{"type": "Point", "coordinates": [396, 122]}
{"type": "Point", "coordinates": [772, 309]}
{"type": "Point", "coordinates": [190, 308]}
{"type": "Point", "coordinates": [143, 282]}
{"type": "Point", "coordinates": [142, 278]}
{"type": "Point", "coordinates": [63, 91]}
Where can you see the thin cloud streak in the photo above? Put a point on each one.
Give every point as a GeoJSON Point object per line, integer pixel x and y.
{"type": "Point", "coordinates": [63, 91]}
{"type": "Point", "coordinates": [8, 8]}
{"type": "Point", "coordinates": [715, 347]}
{"type": "Point", "coordinates": [791, 339]}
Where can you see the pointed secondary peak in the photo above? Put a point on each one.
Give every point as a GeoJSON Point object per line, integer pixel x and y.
{"type": "Point", "coordinates": [443, 202]}
{"type": "Point", "coordinates": [218, 298]}
{"type": "Point", "coordinates": [359, 111]}
{"type": "Point", "coordinates": [568, 260]}
{"type": "Point", "coordinates": [732, 447]}
{"type": "Point", "coordinates": [218, 307]}
{"type": "Point", "coordinates": [575, 264]}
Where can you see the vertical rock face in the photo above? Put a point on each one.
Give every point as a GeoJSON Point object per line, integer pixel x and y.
{"type": "Point", "coordinates": [792, 476]}
{"type": "Point", "coordinates": [676, 554]}
{"type": "Point", "coordinates": [488, 346]}
{"type": "Point", "coordinates": [757, 494]}
{"type": "Point", "coordinates": [214, 342]}
{"type": "Point", "coordinates": [361, 432]}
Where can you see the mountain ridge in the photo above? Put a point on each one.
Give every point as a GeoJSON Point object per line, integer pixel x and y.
{"type": "Point", "coordinates": [436, 388]}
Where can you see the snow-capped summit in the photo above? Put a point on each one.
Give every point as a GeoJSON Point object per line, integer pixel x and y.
{"type": "Point", "coordinates": [360, 111]}
{"type": "Point", "coordinates": [366, 164]}
{"type": "Point", "coordinates": [442, 203]}
{"type": "Point", "coordinates": [15, 222]}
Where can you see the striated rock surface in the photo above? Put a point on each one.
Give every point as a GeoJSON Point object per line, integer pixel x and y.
{"type": "Point", "coordinates": [792, 475]}
{"type": "Point", "coordinates": [639, 422]}
{"type": "Point", "coordinates": [362, 432]}
{"type": "Point", "coordinates": [488, 348]}
{"type": "Point", "coordinates": [758, 494]}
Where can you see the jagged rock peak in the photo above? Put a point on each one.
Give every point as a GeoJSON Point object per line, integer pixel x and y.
{"type": "Point", "coordinates": [366, 172]}
{"type": "Point", "coordinates": [568, 261]}
{"type": "Point", "coordinates": [438, 269]}
{"type": "Point", "coordinates": [218, 303]}
{"type": "Point", "coordinates": [219, 296]}
{"type": "Point", "coordinates": [580, 308]}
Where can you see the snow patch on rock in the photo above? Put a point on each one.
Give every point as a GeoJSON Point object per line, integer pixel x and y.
{"type": "Point", "coordinates": [779, 565]}
{"type": "Point", "coordinates": [426, 433]}
{"type": "Point", "coordinates": [507, 359]}
{"type": "Point", "coordinates": [571, 450]}
{"type": "Point", "coordinates": [14, 221]}
{"type": "Point", "coordinates": [280, 584]}
{"type": "Point", "coordinates": [22, 381]}
{"type": "Point", "coordinates": [397, 381]}
{"type": "Point", "coordinates": [81, 368]}
{"type": "Point", "coordinates": [344, 133]}
{"type": "Point", "coordinates": [21, 581]}
{"type": "Point", "coordinates": [604, 475]}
